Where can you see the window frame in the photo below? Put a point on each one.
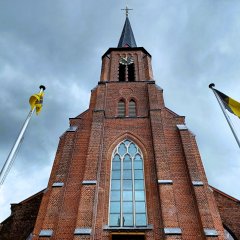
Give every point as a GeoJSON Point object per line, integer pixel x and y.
{"type": "Point", "coordinates": [121, 100]}
{"type": "Point", "coordinates": [134, 214]}
{"type": "Point", "coordinates": [135, 102]}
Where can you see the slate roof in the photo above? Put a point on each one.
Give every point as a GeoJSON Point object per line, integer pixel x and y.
{"type": "Point", "coordinates": [127, 38]}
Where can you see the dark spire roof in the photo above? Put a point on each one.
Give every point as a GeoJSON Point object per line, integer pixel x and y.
{"type": "Point", "coordinates": [127, 38]}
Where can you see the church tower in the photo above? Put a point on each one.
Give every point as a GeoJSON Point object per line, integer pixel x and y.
{"type": "Point", "coordinates": [128, 167]}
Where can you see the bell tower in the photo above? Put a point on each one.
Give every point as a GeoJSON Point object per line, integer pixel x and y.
{"type": "Point", "coordinates": [128, 167]}
{"type": "Point", "coordinates": [127, 62]}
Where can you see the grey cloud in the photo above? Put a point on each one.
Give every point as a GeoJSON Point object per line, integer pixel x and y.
{"type": "Point", "coordinates": [59, 43]}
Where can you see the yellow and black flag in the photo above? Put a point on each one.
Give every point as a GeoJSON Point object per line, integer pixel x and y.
{"type": "Point", "coordinates": [36, 100]}
{"type": "Point", "coordinates": [230, 104]}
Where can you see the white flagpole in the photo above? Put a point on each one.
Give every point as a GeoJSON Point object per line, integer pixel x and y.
{"type": "Point", "coordinates": [225, 114]}
{"type": "Point", "coordinates": [8, 163]}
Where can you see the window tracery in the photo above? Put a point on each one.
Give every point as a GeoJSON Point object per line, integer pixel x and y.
{"type": "Point", "coordinates": [127, 190]}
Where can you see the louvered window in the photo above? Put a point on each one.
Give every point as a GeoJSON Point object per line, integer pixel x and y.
{"type": "Point", "coordinates": [132, 109]}
{"type": "Point", "coordinates": [131, 73]}
{"type": "Point", "coordinates": [121, 108]}
{"type": "Point", "coordinates": [122, 73]}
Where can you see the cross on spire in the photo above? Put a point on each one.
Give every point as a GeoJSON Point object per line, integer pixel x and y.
{"type": "Point", "coordinates": [126, 9]}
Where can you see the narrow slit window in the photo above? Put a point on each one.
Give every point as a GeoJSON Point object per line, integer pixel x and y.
{"type": "Point", "coordinates": [122, 73]}
{"type": "Point", "coordinates": [121, 108]}
{"type": "Point", "coordinates": [132, 109]}
{"type": "Point", "coordinates": [131, 73]}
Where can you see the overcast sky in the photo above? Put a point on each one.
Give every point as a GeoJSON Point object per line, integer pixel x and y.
{"type": "Point", "coordinates": [59, 43]}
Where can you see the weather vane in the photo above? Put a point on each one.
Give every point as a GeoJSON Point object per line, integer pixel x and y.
{"type": "Point", "coordinates": [126, 9]}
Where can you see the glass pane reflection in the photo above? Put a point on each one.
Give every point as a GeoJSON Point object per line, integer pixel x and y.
{"type": "Point", "coordinates": [127, 174]}
{"type": "Point", "coordinates": [116, 185]}
{"type": "Point", "coordinates": [122, 149]}
{"type": "Point", "coordinates": [127, 220]}
{"type": "Point", "coordinates": [115, 195]}
{"type": "Point", "coordinates": [127, 184]}
{"type": "Point", "coordinates": [127, 165]}
{"type": "Point", "coordinates": [138, 165]}
{"type": "Point", "coordinates": [127, 195]}
{"type": "Point", "coordinates": [138, 174]}
{"type": "Point", "coordinates": [116, 165]}
{"type": "Point", "coordinates": [116, 174]}
{"type": "Point", "coordinates": [125, 202]}
{"type": "Point", "coordinates": [139, 195]}
{"type": "Point", "coordinates": [127, 207]}
{"type": "Point", "coordinates": [139, 184]}
{"type": "Point", "coordinates": [115, 207]}
{"type": "Point", "coordinates": [132, 149]}
{"type": "Point", "coordinates": [114, 220]}
{"type": "Point", "coordinates": [140, 207]}
{"type": "Point", "coordinates": [141, 220]}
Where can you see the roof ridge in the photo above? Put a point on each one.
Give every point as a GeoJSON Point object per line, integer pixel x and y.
{"type": "Point", "coordinates": [225, 194]}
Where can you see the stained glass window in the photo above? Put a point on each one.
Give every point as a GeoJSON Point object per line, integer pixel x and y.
{"type": "Point", "coordinates": [127, 190]}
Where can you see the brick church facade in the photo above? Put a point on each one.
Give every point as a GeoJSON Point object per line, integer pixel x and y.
{"type": "Point", "coordinates": [129, 168]}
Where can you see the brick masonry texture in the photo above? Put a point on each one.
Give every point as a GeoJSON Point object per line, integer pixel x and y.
{"type": "Point", "coordinates": [229, 209]}
{"type": "Point", "coordinates": [169, 154]}
{"type": "Point", "coordinates": [23, 217]}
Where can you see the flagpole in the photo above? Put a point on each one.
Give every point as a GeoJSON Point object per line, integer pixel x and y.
{"type": "Point", "coordinates": [212, 85]}
{"type": "Point", "coordinates": [9, 161]}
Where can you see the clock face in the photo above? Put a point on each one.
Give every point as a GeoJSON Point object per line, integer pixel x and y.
{"type": "Point", "coordinates": [126, 60]}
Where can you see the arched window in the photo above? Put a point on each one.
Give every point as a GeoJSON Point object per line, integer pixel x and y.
{"type": "Point", "coordinates": [127, 191]}
{"type": "Point", "coordinates": [122, 73]}
{"type": "Point", "coordinates": [131, 72]}
{"type": "Point", "coordinates": [132, 109]}
{"type": "Point", "coordinates": [121, 109]}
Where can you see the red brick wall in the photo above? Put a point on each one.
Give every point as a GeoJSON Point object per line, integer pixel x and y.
{"type": "Point", "coordinates": [229, 209]}
{"type": "Point", "coordinates": [23, 217]}
{"type": "Point", "coordinates": [169, 154]}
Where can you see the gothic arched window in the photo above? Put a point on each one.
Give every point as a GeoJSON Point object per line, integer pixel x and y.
{"type": "Point", "coordinates": [132, 108]}
{"type": "Point", "coordinates": [121, 108]}
{"type": "Point", "coordinates": [127, 191]}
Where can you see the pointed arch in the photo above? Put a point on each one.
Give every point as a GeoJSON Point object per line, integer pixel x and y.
{"type": "Point", "coordinates": [127, 201]}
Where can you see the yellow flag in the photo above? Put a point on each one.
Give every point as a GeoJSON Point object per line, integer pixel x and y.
{"type": "Point", "coordinates": [230, 104]}
{"type": "Point", "coordinates": [36, 100]}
